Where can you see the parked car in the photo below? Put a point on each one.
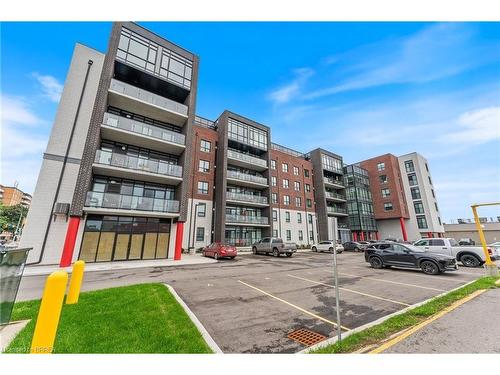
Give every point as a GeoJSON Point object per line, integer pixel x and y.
{"type": "Point", "coordinates": [495, 247]}
{"type": "Point", "coordinates": [466, 242]}
{"type": "Point", "coordinates": [387, 254]}
{"type": "Point", "coordinates": [327, 246]}
{"type": "Point", "coordinates": [469, 256]}
{"type": "Point", "coordinates": [219, 250]}
{"type": "Point", "coordinates": [275, 246]}
{"type": "Point", "coordinates": [355, 245]}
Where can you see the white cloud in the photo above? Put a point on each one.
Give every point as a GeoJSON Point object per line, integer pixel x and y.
{"type": "Point", "coordinates": [291, 90]}
{"type": "Point", "coordinates": [51, 87]}
{"type": "Point", "coordinates": [476, 127]}
{"type": "Point", "coordinates": [16, 110]}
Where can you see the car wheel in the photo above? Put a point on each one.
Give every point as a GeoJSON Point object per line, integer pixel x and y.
{"type": "Point", "coordinates": [330, 249]}
{"type": "Point", "coordinates": [470, 260]}
{"type": "Point", "coordinates": [276, 253]}
{"type": "Point", "coordinates": [356, 249]}
{"type": "Point", "coordinates": [376, 262]}
{"type": "Point", "coordinates": [314, 249]}
{"type": "Point", "coordinates": [216, 256]}
{"type": "Point", "coordinates": [430, 268]}
{"type": "Point", "coordinates": [288, 255]}
{"type": "Point", "coordinates": [254, 250]}
{"type": "Point", "coordinates": [231, 257]}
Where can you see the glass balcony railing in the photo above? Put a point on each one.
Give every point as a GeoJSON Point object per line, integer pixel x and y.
{"type": "Point", "coordinates": [336, 210]}
{"type": "Point", "coordinates": [333, 181]}
{"type": "Point", "coordinates": [247, 219]}
{"type": "Point", "coordinates": [148, 97]}
{"type": "Point", "coordinates": [137, 127]}
{"type": "Point", "coordinates": [333, 195]}
{"type": "Point", "coordinates": [232, 154]}
{"type": "Point", "coordinates": [246, 197]}
{"type": "Point", "coordinates": [130, 202]}
{"type": "Point", "coordinates": [246, 177]}
{"type": "Point", "coordinates": [131, 162]}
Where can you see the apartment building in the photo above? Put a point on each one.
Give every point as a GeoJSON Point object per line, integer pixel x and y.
{"type": "Point", "coordinates": [420, 195]}
{"type": "Point", "coordinates": [362, 221]}
{"type": "Point", "coordinates": [12, 196]}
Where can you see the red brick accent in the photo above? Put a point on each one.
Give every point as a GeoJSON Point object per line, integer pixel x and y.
{"type": "Point", "coordinates": [202, 133]}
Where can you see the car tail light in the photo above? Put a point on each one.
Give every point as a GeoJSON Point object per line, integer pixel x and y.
{"type": "Point", "coordinates": [489, 251]}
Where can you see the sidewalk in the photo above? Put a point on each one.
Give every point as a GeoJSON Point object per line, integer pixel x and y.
{"type": "Point", "coordinates": [186, 260]}
{"type": "Point", "coordinates": [473, 327]}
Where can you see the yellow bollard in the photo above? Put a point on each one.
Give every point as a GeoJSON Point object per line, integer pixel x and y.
{"type": "Point", "coordinates": [75, 283]}
{"type": "Point", "coordinates": [49, 313]}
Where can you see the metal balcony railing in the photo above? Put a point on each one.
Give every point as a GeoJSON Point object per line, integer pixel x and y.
{"type": "Point", "coordinates": [332, 195]}
{"type": "Point", "coordinates": [232, 154]}
{"type": "Point", "coordinates": [130, 202]}
{"type": "Point", "coordinates": [246, 197]}
{"type": "Point", "coordinates": [131, 162]}
{"type": "Point", "coordinates": [334, 181]}
{"type": "Point", "coordinates": [246, 177]}
{"type": "Point", "coordinates": [336, 210]}
{"type": "Point", "coordinates": [148, 97]}
{"type": "Point", "coordinates": [142, 128]}
{"type": "Point", "coordinates": [247, 219]}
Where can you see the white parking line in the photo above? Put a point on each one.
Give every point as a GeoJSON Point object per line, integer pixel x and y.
{"type": "Point", "coordinates": [294, 306]}
{"type": "Point", "coordinates": [352, 291]}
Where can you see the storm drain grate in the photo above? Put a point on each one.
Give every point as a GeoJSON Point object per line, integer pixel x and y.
{"type": "Point", "coordinates": [306, 337]}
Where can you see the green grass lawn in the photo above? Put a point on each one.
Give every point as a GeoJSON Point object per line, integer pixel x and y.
{"type": "Point", "coordinates": [142, 318]}
{"type": "Point", "coordinates": [375, 334]}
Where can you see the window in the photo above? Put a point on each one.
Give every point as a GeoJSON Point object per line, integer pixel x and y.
{"type": "Point", "coordinates": [286, 200]}
{"type": "Point", "coordinates": [439, 219]}
{"type": "Point", "coordinates": [311, 235]}
{"type": "Point", "coordinates": [309, 203]}
{"type": "Point", "coordinates": [426, 167]}
{"type": "Point", "coordinates": [202, 187]}
{"type": "Point", "coordinates": [409, 167]}
{"type": "Point", "coordinates": [275, 215]}
{"type": "Point", "coordinates": [412, 179]}
{"type": "Point", "coordinates": [380, 167]}
{"type": "Point", "coordinates": [205, 146]}
{"type": "Point", "coordinates": [299, 217]}
{"type": "Point", "coordinates": [430, 181]}
{"type": "Point", "coordinates": [284, 167]}
{"type": "Point", "coordinates": [295, 171]}
{"type": "Point", "coordinates": [436, 205]}
{"type": "Point", "coordinates": [310, 218]}
{"type": "Point", "coordinates": [301, 235]}
{"type": "Point", "coordinates": [383, 178]}
{"type": "Point", "coordinates": [247, 134]}
{"type": "Point", "coordinates": [200, 234]}
{"type": "Point", "coordinates": [288, 235]}
{"type": "Point", "coordinates": [202, 209]}
{"type": "Point", "coordinates": [419, 207]}
{"type": "Point", "coordinates": [436, 242]}
{"type": "Point", "coordinates": [306, 172]}
{"type": "Point", "coordinates": [275, 233]}
{"type": "Point", "coordinates": [433, 195]}
{"type": "Point", "coordinates": [204, 166]}
{"type": "Point", "coordinates": [415, 193]}
{"type": "Point", "coordinates": [273, 164]}
{"type": "Point", "coordinates": [421, 222]}
{"type": "Point", "coordinates": [308, 187]}
{"type": "Point", "coordinates": [296, 186]}
{"type": "Point", "coordinates": [298, 201]}
{"type": "Point", "coordinates": [287, 216]}
{"type": "Point", "coordinates": [285, 183]}
{"type": "Point", "coordinates": [386, 193]}
{"type": "Point", "coordinates": [274, 198]}
{"type": "Point", "coordinates": [388, 206]}
{"type": "Point", "coordinates": [273, 180]}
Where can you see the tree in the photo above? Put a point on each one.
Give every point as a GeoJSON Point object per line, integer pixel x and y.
{"type": "Point", "coordinates": [9, 216]}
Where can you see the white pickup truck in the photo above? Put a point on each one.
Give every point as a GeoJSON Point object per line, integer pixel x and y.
{"type": "Point", "coordinates": [469, 256]}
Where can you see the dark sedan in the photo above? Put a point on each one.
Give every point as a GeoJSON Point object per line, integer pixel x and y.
{"type": "Point", "coordinates": [386, 254]}
{"type": "Point", "coordinates": [355, 245]}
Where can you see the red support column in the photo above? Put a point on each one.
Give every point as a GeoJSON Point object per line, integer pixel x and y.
{"type": "Point", "coordinates": [362, 236]}
{"type": "Point", "coordinates": [403, 229]}
{"type": "Point", "coordinates": [429, 234]}
{"type": "Point", "coordinates": [354, 236]}
{"type": "Point", "coordinates": [377, 236]}
{"type": "Point", "coordinates": [178, 240]}
{"type": "Point", "coordinates": [69, 241]}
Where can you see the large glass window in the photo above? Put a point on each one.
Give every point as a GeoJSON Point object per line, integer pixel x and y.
{"type": "Point", "coordinates": [412, 179]}
{"type": "Point", "coordinates": [205, 146]}
{"type": "Point", "coordinates": [331, 163]}
{"type": "Point", "coordinates": [247, 134]}
{"type": "Point", "coordinates": [202, 187]}
{"type": "Point", "coordinates": [419, 207]}
{"type": "Point", "coordinates": [415, 193]}
{"type": "Point", "coordinates": [421, 222]}
{"type": "Point", "coordinates": [204, 166]}
{"type": "Point", "coordinates": [409, 167]}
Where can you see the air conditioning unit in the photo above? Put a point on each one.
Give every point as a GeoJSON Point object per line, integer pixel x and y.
{"type": "Point", "coordinates": [61, 209]}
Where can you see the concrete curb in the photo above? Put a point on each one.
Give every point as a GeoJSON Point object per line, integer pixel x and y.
{"type": "Point", "coordinates": [8, 332]}
{"type": "Point", "coordinates": [333, 340]}
{"type": "Point", "coordinates": [204, 333]}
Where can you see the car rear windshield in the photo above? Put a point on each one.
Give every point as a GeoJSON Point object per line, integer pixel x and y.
{"type": "Point", "coordinates": [277, 240]}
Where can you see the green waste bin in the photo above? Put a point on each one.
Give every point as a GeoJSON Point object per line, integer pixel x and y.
{"type": "Point", "coordinates": [12, 262]}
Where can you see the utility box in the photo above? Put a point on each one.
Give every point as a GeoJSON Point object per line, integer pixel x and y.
{"type": "Point", "coordinates": [12, 262]}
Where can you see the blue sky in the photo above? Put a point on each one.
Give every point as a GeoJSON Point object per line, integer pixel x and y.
{"type": "Point", "coordinates": [357, 89]}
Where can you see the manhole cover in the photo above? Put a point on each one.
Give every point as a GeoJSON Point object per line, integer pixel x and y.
{"type": "Point", "coordinates": [306, 337]}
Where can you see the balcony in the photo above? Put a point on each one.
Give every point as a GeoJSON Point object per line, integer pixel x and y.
{"type": "Point", "coordinates": [118, 165]}
{"type": "Point", "coordinates": [334, 182]}
{"type": "Point", "coordinates": [335, 196]}
{"type": "Point", "coordinates": [246, 199]}
{"type": "Point", "coordinates": [247, 220]}
{"type": "Point", "coordinates": [245, 179]}
{"type": "Point", "coordinates": [125, 130]}
{"type": "Point", "coordinates": [247, 161]}
{"type": "Point", "coordinates": [97, 202]}
{"type": "Point", "coordinates": [136, 100]}
{"type": "Point", "coordinates": [336, 211]}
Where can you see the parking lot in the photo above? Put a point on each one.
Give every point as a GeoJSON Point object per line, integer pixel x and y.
{"type": "Point", "coordinates": [252, 303]}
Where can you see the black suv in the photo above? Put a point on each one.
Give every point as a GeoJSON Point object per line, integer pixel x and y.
{"type": "Point", "coordinates": [387, 254]}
